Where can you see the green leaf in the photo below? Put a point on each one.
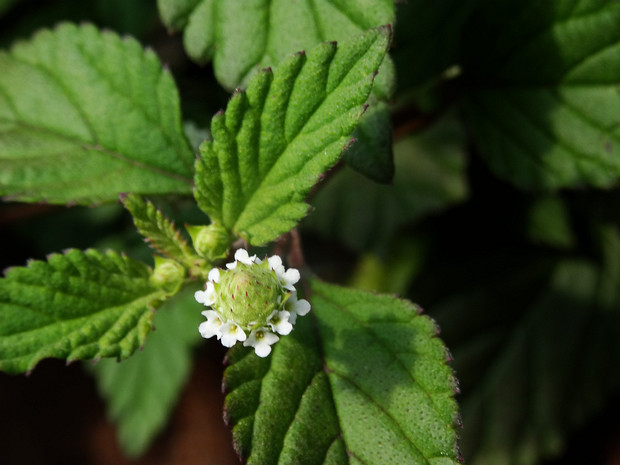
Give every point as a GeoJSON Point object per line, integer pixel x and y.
{"type": "Point", "coordinates": [273, 142]}
{"type": "Point", "coordinates": [371, 153]}
{"type": "Point", "coordinates": [430, 175]}
{"type": "Point", "coordinates": [158, 230]}
{"type": "Point", "coordinates": [544, 102]}
{"type": "Point", "coordinates": [141, 392]}
{"type": "Point", "coordinates": [366, 382]}
{"type": "Point", "coordinates": [86, 115]}
{"type": "Point", "coordinates": [79, 305]}
{"type": "Point", "coordinates": [244, 36]}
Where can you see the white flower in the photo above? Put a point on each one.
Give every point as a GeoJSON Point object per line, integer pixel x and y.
{"type": "Point", "coordinates": [212, 326]}
{"type": "Point", "coordinates": [279, 322]}
{"type": "Point", "coordinates": [214, 275]}
{"type": "Point", "coordinates": [208, 296]}
{"type": "Point", "coordinates": [261, 339]}
{"type": "Point", "coordinates": [288, 277]}
{"type": "Point", "coordinates": [241, 255]}
{"type": "Point", "coordinates": [231, 333]}
{"type": "Point", "coordinates": [296, 307]}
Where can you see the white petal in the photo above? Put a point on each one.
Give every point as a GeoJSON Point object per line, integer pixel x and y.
{"type": "Point", "coordinates": [210, 295]}
{"type": "Point", "coordinates": [262, 350]}
{"type": "Point", "coordinates": [214, 275]}
{"type": "Point", "coordinates": [275, 263]}
{"type": "Point", "coordinates": [231, 333]}
{"type": "Point", "coordinates": [290, 277]}
{"type": "Point", "coordinates": [241, 255]}
{"type": "Point", "coordinates": [279, 322]}
{"type": "Point", "coordinates": [261, 343]}
{"type": "Point", "coordinates": [302, 307]}
{"type": "Point", "coordinates": [200, 296]}
{"type": "Point", "coordinates": [212, 326]}
{"type": "Point", "coordinates": [232, 265]}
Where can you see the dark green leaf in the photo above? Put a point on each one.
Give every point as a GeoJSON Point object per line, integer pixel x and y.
{"type": "Point", "coordinates": [79, 305]}
{"type": "Point", "coordinates": [86, 115]}
{"type": "Point", "coordinates": [544, 102]}
{"type": "Point", "coordinates": [141, 392]}
{"type": "Point", "coordinates": [273, 142]}
{"type": "Point", "coordinates": [429, 175]}
{"type": "Point", "coordinates": [366, 382]}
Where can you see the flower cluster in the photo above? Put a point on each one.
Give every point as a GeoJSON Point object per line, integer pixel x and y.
{"type": "Point", "coordinates": [251, 301]}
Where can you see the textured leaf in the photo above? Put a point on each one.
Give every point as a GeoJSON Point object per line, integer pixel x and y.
{"type": "Point", "coordinates": [536, 348]}
{"type": "Point", "coordinates": [158, 230]}
{"type": "Point", "coordinates": [273, 142]}
{"type": "Point", "coordinates": [86, 115]}
{"type": "Point", "coordinates": [429, 175]}
{"type": "Point", "coordinates": [544, 102]}
{"type": "Point", "coordinates": [366, 382]}
{"type": "Point", "coordinates": [79, 305]}
{"type": "Point", "coordinates": [244, 36]}
{"type": "Point", "coordinates": [141, 392]}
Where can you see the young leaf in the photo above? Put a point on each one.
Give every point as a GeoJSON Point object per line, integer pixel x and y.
{"type": "Point", "coordinates": [79, 305]}
{"type": "Point", "coordinates": [158, 230]}
{"type": "Point", "coordinates": [366, 382]}
{"type": "Point", "coordinates": [244, 36]}
{"type": "Point", "coordinates": [273, 142]}
{"type": "Point", "coordinates": [544, 103]}
{"type": "Point", "coordinates": [85, 115]}
{"type": "Point", "coordinates": [141, 392]}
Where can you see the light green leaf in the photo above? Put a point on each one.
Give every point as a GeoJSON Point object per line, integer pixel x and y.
{"type": "Point", "coordinates": [273, 142]}
{"type": "Point", "coordinates": [366, 382]}
{"type": "Point", "coordinates": [141, 392]}
{"type": "Point", "coordinates": [79, 305]}
{"type": "Point", "coordinates": [86, 115]}
{"type": "Point", "coordinates": [544, 102]}
{"type": "Point", "coordinates": [430, 174]}
{"type": "Point", "coordinates": [243, 36]}
{"type": "Point", "coordinates": [158, 230]}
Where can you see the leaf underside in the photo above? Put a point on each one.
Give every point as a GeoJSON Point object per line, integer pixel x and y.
{"type": "Point", "coordinates": [366, 382]}
{"type": "Point", "coordinates": [86, 115]}
{"type": "Point", "coordinates": [275, 140]}
{"type": "Point", "coordinates": [79, 305]}
{"type": "Point", "coordinates": [141, 391]}
{"type": "Point", "coordinates": [547, 114]}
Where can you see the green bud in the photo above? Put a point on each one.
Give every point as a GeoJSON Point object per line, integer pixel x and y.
{"type": "Point", "coordinates": [168, 274]}
{"type": "Point", "coordinates": [211, 242]}
{"type": "Point", "coordinates": [249, 294]}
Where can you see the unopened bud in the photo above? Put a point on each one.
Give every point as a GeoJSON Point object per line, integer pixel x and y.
{"type": "Point", "coordinates": [211, 242]}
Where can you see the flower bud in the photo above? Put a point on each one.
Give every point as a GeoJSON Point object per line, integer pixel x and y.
{"type": "Point", "coordinates": [168, 274]}
{"type": "Point", "coordinates": [211, 242]}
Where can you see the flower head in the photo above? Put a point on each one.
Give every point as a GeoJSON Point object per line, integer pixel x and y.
{"type": "Point", "coordinates": [251, 300]}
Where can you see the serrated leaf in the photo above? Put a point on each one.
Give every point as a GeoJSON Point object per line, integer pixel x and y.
{"type": "Point", "coordinates": [430, 174]}
{"type": "Point", "coordinates": [244, 36]}
{"type": "Point", "coordinates": [141, 392]}
{"type": "Point", "coordinates": [86, 115]}
{"type": "Point", "coordinates": [366, 382]}
{"type": "Point", "coordinates": [536, 348]}
{"type": "Point", "coordinates": [158, 230]}
{"type": "Point", "coordinates": [544, 102]}
{"type": "Point", "coordinates": [274, 141]}
{"type": "Point", "coordinates": [79, 305]}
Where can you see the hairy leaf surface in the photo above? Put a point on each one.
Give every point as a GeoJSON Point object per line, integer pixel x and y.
{"type": "Point", "coordinates": [86, 115]}
{"type": "Point", "coordinates": [79, 305]}
{"type": "Point", "coordinates": [366, 382]}
{"type": "Point", "coordinates": [141, 392]}
{"type": "Point", "coordinates": [242, 36]}
{"type": "Point", "coordinates": [544, 101]}
{"type": "Point", "coordinates": [275, 140]}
